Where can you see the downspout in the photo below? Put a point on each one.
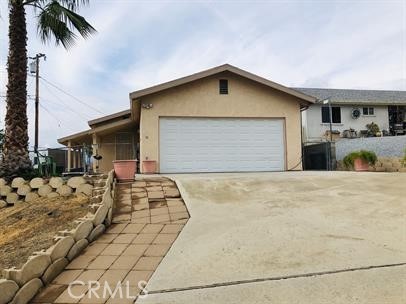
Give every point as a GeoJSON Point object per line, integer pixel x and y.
{"type": "Point", "coordinates": [137, 118]}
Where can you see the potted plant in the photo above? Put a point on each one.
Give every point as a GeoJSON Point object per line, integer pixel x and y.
{"type": "Point", "coordinates": [149, 166]}
{"type": "Point", "coordinates": [360, 160]}
{"type": "Point", "coordinates": [125, 169]}
{"type": "Point", "coordinates": [373, 129]}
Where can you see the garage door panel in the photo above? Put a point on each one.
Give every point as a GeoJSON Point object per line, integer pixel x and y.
{"type": "Point", "coordinates": [221, 145]}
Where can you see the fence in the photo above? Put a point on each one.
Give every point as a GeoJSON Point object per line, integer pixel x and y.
{"type": "Point", "coordinates": [56, 160]}
{"type": "Point", "coordinates": [319, 156]}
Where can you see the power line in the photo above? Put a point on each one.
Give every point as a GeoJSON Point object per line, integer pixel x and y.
{"type": "Point", "coordinates": [52, 115]}
{"type": "Point", "coordinates": [57, 119]}
{"type": "Point", "coordinates": [63, 103]}
{"type": "Point", "coordinates": [70, 109]}
{"type": "Point", "coordinates": [70, 95]}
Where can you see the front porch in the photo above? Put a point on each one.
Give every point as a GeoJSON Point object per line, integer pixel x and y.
{"type": "Point", "coordinates": [112, 138]}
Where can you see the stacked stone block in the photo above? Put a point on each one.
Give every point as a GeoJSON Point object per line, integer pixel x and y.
{"type": "Point", "coordinates": [19, 286]}
{"type": "Point", "coordinates": [20, 190]}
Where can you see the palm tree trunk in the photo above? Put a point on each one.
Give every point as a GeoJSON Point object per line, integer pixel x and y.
{"type": "Point", "coordinates": [15, 152]}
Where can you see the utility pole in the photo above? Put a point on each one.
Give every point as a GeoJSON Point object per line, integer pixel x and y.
{"type": "Point", "coordinates": [36, 71]}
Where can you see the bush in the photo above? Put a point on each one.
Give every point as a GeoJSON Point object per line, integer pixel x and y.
{"type": "Point", "coordinates": [368, 156]}
{"type": "Point", "coordinates": [404, 159]}
{"type": "Point", "coordinates": [29, 174]}
{"type": "Point", "coordinates": [373, 128]}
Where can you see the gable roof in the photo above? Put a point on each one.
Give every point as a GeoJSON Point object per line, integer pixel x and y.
{"type": "Point", "coordinates": [348, 96]}
{"type": "Point", "coordinates": [216, 70]}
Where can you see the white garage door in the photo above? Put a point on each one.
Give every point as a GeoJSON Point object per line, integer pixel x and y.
{"type": "Point", "coordinates": [221, 145]}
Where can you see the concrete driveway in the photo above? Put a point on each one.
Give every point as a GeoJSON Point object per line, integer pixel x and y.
{"type": "Point", "coordinates": [293, 237]}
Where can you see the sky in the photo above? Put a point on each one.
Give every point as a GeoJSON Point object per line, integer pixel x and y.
{"type": "Point", "coordinates": [320, 43]}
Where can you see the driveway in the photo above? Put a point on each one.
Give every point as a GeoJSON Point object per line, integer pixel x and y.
{"type": "Point", "coordinates": [292, 237]}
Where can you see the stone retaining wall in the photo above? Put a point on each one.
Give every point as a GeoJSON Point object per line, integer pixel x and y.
{"type": "Point", "coordinates": [21, 285]}
{"type": "Point", "coordinates": [20, 190]}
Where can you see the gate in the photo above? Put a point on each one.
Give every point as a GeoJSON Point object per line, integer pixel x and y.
{"type": "Point", "coordinates": [319, 156]}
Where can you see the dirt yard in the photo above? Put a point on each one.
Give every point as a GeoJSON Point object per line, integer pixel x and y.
{"type": "Point", "coordinates": [26, 228]}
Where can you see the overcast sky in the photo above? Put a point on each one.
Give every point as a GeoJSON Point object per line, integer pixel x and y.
{"type": "Point", "coordinates": [329, 44]}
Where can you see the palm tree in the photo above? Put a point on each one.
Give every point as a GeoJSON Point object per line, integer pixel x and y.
{"type": "Point", "coordinates": [57, 20]}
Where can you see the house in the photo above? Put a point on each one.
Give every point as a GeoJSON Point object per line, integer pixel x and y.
{"type": "Point", "coordinates": [353, 109]}
{"type": "Point", "coordinates": [220, 120]}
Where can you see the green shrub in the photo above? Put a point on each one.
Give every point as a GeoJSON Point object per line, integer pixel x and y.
{"type": "Point", "coordinates": [404, 159]}
{"type": "Point", "coordinates": [373, 128]}
{"type": "Point", "coordinates": [368, 156]}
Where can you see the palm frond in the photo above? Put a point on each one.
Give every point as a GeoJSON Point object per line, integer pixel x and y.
{"type": "Point", "coordinates": [72, 5]}
{"type": "Point", "coordinates": [59, 22]}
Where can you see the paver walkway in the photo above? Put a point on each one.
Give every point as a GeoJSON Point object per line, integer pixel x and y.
{"type": "Point", "coordinates": [149, 215]}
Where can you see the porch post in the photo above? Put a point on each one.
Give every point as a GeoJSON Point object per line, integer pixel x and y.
{"type": "Point", "coordinates": [69, 156]}
{"type": "Point", "coordinates": [74, 158]}
{"type": "Point", "coordinates": [95, 149]}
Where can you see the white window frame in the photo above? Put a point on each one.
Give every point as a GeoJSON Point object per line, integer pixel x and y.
{"type": "Point", "coordinates": [369, 111]}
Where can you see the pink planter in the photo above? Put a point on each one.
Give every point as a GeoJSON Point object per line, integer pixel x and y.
{"type": "Point", "coordinates": [149, 166]}
{"type": "Point", "coordinates": [360, 165]}
{"type": "Point", "coordinates": [125, 169]}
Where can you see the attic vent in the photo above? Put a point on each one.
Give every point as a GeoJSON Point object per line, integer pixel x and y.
{"type": "Point", "coordinates": [223, 86]}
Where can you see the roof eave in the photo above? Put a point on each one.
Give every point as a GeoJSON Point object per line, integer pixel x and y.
{"type": "Point", "coordinates": [66, 139]}
{"type": "Point", "coordinates": [108, 117]}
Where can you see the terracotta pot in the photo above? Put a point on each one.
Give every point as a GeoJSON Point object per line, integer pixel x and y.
{"type": "Point", "coordinates": [125, 169]}
{"type": "Point", "coordinates": [149, 166]}
{"type": "Point", "coordinates": [361, 165]}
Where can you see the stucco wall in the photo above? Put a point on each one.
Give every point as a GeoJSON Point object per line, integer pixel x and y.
{"type": "Point", "coordinates": [315, 129]}
{"type": "Point", "coordinates": [202, 99]}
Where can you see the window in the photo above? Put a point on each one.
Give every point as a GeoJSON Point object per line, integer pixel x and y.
{"type": "Point", "coordinates": [325, 114]}
{"type": "Point", "coordinates": [368, 111]}
{"type": "Point", "coordinates": [223, 86]}
{"type": "Point", "coordinates": [124, 144]}
{"type": "Point", "coordinates": [118, 146]}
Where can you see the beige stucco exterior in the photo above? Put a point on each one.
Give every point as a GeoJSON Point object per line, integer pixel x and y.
{"type": "Point", "coordinates": [201, 98]}
{"type": "Point", "coordinates": [196, 95]}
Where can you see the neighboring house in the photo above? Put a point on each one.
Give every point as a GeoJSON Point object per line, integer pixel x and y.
{"type": "Point", "coordinates": [220, 120]}
{"type": "Point", "coordinates": [353, 109]}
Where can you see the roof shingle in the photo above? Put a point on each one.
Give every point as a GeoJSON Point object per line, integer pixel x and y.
{"type": "Point", "coordinates": [378, 97]}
